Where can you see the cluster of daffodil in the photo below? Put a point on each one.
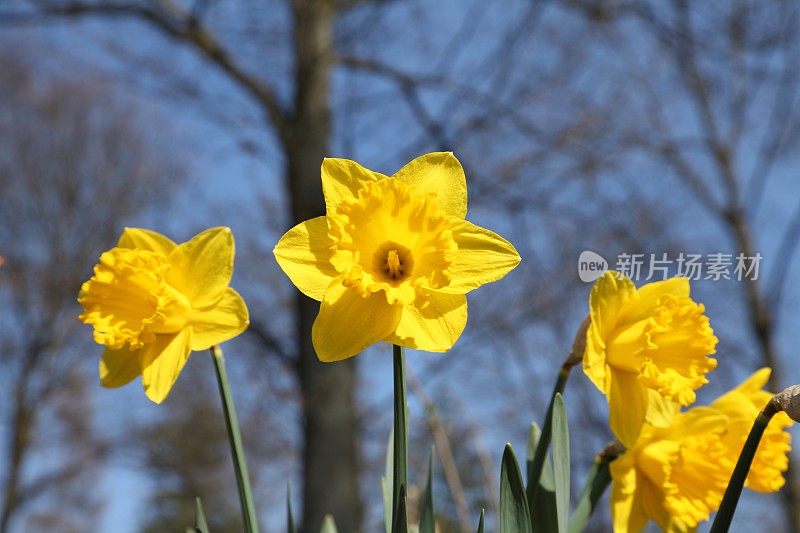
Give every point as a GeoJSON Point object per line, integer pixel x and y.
{"type": "Point", "coordinates": [648, 351]}
{"type": "Point", "coordinates": [392, 260]}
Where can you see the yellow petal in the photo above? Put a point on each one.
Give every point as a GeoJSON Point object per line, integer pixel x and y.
{"type": "Point", "coordinates": [609, 295]}
{"type": "Point", "coordinates": [626, 508]}
{"type": "Point", "coordinates": [660, 411]}
{"type": "Point", "coordinates": [202, 268]}
{"type": "Point", "coordinates": [438, 173]}
{"type": "Point", "coordinates": [627, 406]}
{"type": "Point", "coordinates": [303, 253]}
{"type": "Point", "coordinates": [349, 322]}
{"type": "Point", "coordinates": [145, 239]}
{"type": "Point", "coordinates": [342, 178]}
{"type": "Point", "coordinates": [164, 359]}
{"type": "Point", "coordinates": [119, 367]}
{"type": "Point", "coordinates": [433, 327]}
{"type": "Point", "coordinates": [642, 308]}
{"type": "Point", "coordinates": [220, 323]}
{"type": "Point", "coordinates": [482, 257]}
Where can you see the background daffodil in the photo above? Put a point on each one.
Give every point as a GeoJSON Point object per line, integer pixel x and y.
{"type": "Point", "coordinates": [741, 405]}
{"type": "Point", "coordinates": [654, 340]}
{"type": "Point", "coordinates": [152, 302]}
{"type": "Point", "coordinates": [393, 258]}
{"type": "Point", "coordinates": [677, 475]}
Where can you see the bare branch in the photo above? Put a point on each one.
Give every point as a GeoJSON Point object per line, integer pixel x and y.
{"type": "Point", "coordinates": [174, 22]}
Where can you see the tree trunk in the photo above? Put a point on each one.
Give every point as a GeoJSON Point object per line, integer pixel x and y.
{"type": "Point", "coordinates": [330, 469]}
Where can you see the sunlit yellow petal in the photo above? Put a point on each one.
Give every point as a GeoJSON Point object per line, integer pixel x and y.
{"type": "Point", "coordinates": [342, 178]}
{"type": "Point", "coordinates": [482, 257]}
{"type": "Point", "coordinates": [202, 268]}
{"type": "Point", "coordinates": [626, 508]}
{"type": "Point", "coordinates": [145, 239]}
{"type": "Point", "coordinates": [348, 322]}
{"type": "Point", "coordinates": [441, 174]}
{"type": "Point", "coordinates": [120, 367]}
{"type": "Point", "coordinates": [163, 361]}
{"type": "Point", "coordinates": [660, 411]}
{"type": "Point", "coordinates": [627, 406]}
{"type": "Point", "coordinates": [228, 318]}
{"type": "Point", "coordinates": [648, 295]}
{"type": "Point", "coordinates": [609, 295]}
{"type": "Point", "coordinates": [434, 326]}
{"type": "Point", "coordinates": [303, 253]}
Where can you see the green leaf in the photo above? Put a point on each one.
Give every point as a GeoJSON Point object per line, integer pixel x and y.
{"type": "Point", "coordinates": [290, 528]}
{"type": "Point", "coordinates": [200, 524]}
{"type": "Point", "coordinates": [427, 521]}
{"type": "Point", "coordinates": [561, 462]}
{"type": "Point", "coordinates": [400, 524]}
{"type": "Point", "coordinates": [480, 524]}
{"type": "Point", "coordinates": [597, 481]}
{"type": "Point", "coordinates": [515, 516]}
{"type": "Point", "coordinates": [542, 502]}
{"type": "Point", "coordinates": [400, 434]}
{"type": "Point", "coordinates": [328, 525]}
{"type": "Point", "coordinates": [387, 484]}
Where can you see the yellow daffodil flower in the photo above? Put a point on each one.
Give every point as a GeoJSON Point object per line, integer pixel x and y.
{"type": "Point", "coordinates": [677, 475]}
{"type": "Point", "coordinates": [741, 405]}
{"type": "Point", "coordinates": [645, 343]}
{"type": "Point", "coordinates": [393, 258]}
{"type": "Point", "coordinates": [152, 302]}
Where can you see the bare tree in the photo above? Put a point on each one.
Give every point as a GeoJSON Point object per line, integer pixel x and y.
{"type": "Point", "coordinates": [73, 168]}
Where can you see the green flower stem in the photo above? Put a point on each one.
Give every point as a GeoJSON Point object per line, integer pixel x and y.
{"type": "Point", "coordinates": [400, 459]}
{"type": "Point", "coordinates": [235, 437]}
{"type": "Point", "coordinates": [597, 481]}
{"type": "Point", "coordinates": [575, 357]}
{"type": "Point", "coordinates": [722, 522]}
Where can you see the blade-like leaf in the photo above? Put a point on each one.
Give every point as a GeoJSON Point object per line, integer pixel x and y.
{"type": "Point", "coordinates": [515, 516]}
{"type": "Point", "coordinates": [427, 521]}
{"type": "Point", "coordinates": [542, 502]}
{"type": "Point", "coordinates": [480, 524]}
{"type": "Point", "coordinates": [290, 528]}
{"type": "Point", "coordinates": [328, 525]}
{"type": "Point", "coordinates": [561, 462]}
{"type": "Point", "coordinates": [400, 524]}
{"type": "Point", "coordinates": [387, 482]}
{"type": "Point", "coordinates": [200, 524]}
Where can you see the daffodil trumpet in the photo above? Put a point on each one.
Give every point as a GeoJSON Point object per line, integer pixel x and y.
{"type": "Point", "coordinates": [574, 358]}
{"type": "Point", "coordinates": [249, 516]}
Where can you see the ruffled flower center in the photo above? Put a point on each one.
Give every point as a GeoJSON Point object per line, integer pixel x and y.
{"type": "Point", "coordinates": [391, 239]}
{"type": "Point", "coordinates": [669, 349]}
{"type": "Point", "coordinates": [128, 300]}
{"type": "Point", "coordinates": [696, 479]}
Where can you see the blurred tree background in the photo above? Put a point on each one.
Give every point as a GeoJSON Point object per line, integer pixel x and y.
{"type": "Point", "coordinates": [611, 125]}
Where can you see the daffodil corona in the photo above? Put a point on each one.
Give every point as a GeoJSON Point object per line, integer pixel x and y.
{"type": "Point", "coordinates": [152, 302]}
{"type": "Point", "coordinates": [677, 475]}
{"type": "Point", "coordinates": [654, 340]}
{"type": "Point", "coordinates": [393, 258]}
